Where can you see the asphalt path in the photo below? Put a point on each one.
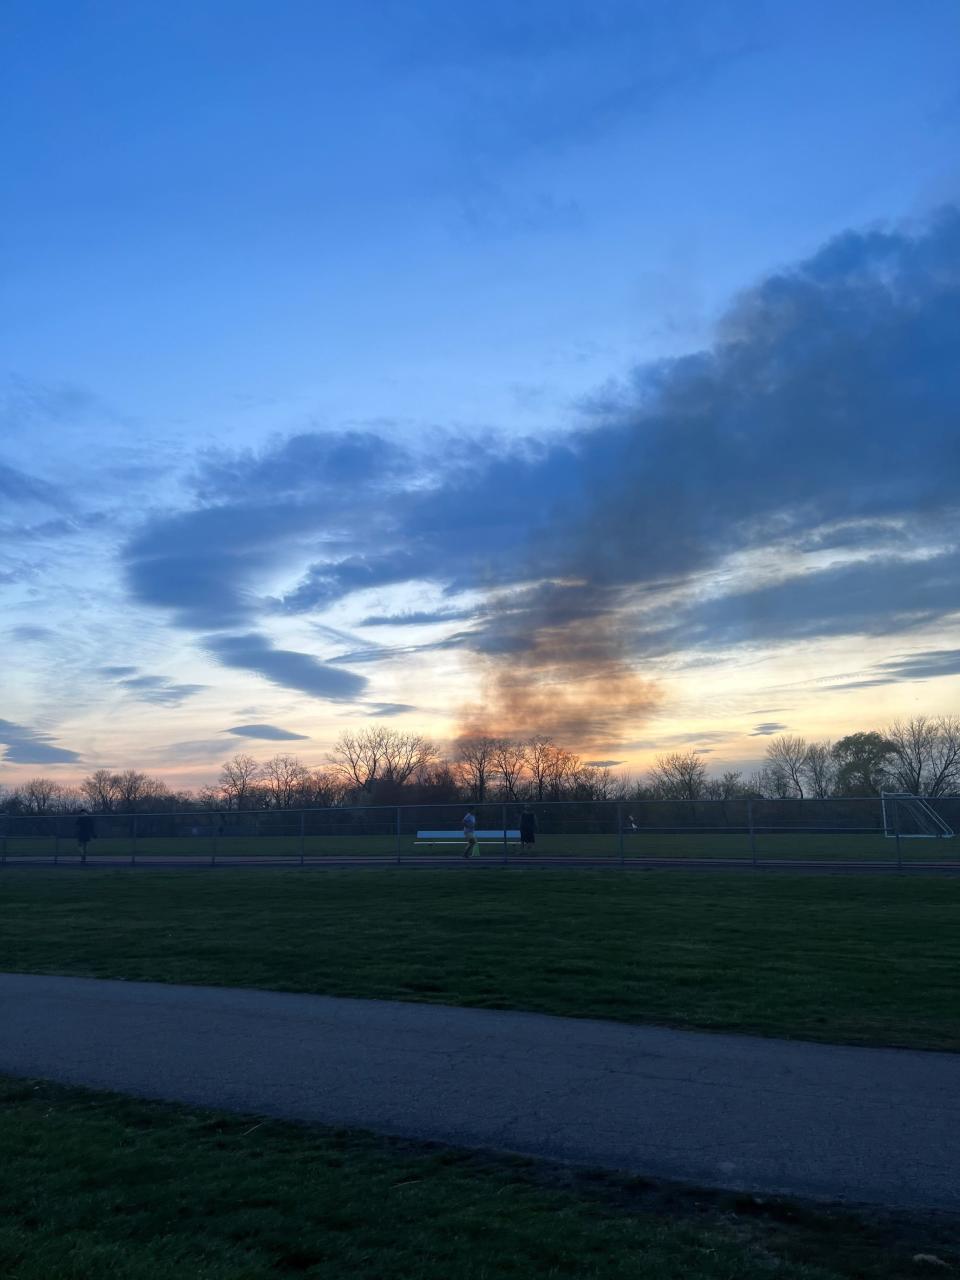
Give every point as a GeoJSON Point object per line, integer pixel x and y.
{"type": "Point", "coordinates": [872, 1126]}
{"type": "Point", "coordinates": [186, 862]}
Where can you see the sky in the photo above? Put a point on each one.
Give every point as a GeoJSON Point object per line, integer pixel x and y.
{"type": "Point", "coordinates": [586, 369]}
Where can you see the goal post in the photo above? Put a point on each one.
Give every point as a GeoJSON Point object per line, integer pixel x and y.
{"type": "Point", "coordinates": [912, 817]}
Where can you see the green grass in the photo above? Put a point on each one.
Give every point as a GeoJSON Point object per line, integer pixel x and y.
{"type": "Point", "coordinates": [863, 960]}
{"type": "Point", "coordinates": [95, 1186]}
{"type": "Point", "coordinates": [774, 846]}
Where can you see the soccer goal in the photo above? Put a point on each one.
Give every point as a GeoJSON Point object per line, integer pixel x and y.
{"type": "Point", "coordinates": [911, 817]}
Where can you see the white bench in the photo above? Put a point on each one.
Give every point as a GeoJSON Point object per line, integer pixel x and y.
{"type": "Point", "coordinates": [457, 837]}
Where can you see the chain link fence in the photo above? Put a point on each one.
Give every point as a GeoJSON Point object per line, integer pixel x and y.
{"type": "Point", "coordinates": [897, 829]}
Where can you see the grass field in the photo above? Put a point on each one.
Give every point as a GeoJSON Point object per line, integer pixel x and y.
{"type": "Point", "coordinates": [862, 960]}
{"type": "Point", "coordinates": [94, 1185]}
{"type": "Point", "coordinates": [774, 846]}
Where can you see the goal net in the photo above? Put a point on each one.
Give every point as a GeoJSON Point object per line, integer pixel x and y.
{"type": "Point", "coordinates": [911, 816]}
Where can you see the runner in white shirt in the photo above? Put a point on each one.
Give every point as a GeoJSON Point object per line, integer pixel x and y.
{"type": "Point", "coordinates": [470, 835]}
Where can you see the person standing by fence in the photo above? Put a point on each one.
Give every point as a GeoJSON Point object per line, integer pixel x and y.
{"type": "Point", "coordinates": [85, 831]}
{"type": "Point", "coordinates": [528, 827]}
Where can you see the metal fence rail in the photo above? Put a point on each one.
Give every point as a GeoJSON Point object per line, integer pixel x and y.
{"type": "Point", "coordinates": [753, 831]}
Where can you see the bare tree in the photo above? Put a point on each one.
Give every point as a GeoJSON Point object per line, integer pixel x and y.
{"type": "Point", "coordinates": [39, 795]}
{"type": "Point", "coordinates": [403, 755]}
{"type": "Point", "coordinates": [945, 759]}
{"type": "Point", "coordinates": [358, 756]}
{"type": "Point", "coordinates": [819, 769]}
{"type": "Point", "coordinates": [238, 777]}
{"type": "Point", "coordinates": [729, 786]}
{"type": "Point", "coordinates": [786, 756]}
{"type": "Point", "coordinates": [539, 755]}
{"type": "Point", "coordinates": [510, 766]}
{"type": "Point", "coordinates": [135, 790]}
{"type": "Point", "coordinates": [563, 766]}
{"type": "Point", "coordinates": [322, 788]}
{"type": "Point", "coordinates": [681, 775]}
{"type": "Point", "coordinates": [926, 753]}
{"type": "Point", "coordinates": [101, 791]}
{"type": "Point", "coordinates": [475, 764]}
{"type": "Point", "coordinates": [284, 776]}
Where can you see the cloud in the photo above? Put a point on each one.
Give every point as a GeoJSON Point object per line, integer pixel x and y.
{"type": "Point", "coordinates": [19, 489]}
{"type": "Point", "coordinates": [285, 667]}
{"type": "Point", "coordinates": [806, 429]}
{"type": "Point", "coordinates": [26, 746]}
{"type": "Point", "coordinates": [931, 664]}
{"type": "Point", "coordinates": [27, 632]}
{"type": "Point", "coordinates": [879, 595]}
{"type": "Point", "coordinates": [118, 671]}
{"type": "Point", "coordinates": [270, 732]}
{"type": "Point", "coordinates": [709, 736]}
{"type": "Point", "coordinates": [201, 749]}
{"type": "Point", "coordinates": [767, 729]}
{"type": "Point", "coordinates": [390, 709]}
{"type": "Point", "coordinates": [418, 618]}
{"type": "Point", "coordinates": [157, 689]}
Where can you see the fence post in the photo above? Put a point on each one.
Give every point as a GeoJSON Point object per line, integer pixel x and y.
{"type": "Point", "coordinates": [303, 820]}
{"type": "Point", "coordinates": [56, 836]}
{"type": "Point", "coordinates": [398, 835]}
{"type": "Point", "coordinates": [896, 831]}
{"type": "Point", "coordinates": [133, 841]}
{"type": "Point", "coordinates": [504, 835]}
{"type": "Point", "coordinates": [620, 831]}
{"type": "Point", "coordinates": [753, 834]}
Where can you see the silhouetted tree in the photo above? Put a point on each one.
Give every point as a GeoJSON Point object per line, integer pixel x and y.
{"type": "Point", "coordinates": [238, 778]}
{"type": "Point", "coordinates": [787, 756]}
{"type": "Point", "coordinates": [862, 761]}
{"type": "Point", "coordinates": [926, 754]}
{"type": "Point", "coordinates": [680, 775]}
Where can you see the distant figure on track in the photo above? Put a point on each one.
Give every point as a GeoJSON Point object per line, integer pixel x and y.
{"type": "Point", "coordinates": [85, 831]}
{"type": "Point", "coordinates": [528, 827]}
{"type": "Point", "coordinates": [470, 835]}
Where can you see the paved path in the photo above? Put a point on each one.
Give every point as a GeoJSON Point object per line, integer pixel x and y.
{"type": "Point", "coordinates": [870, 1125]}
{"type": "Point", "coordinates": [277, 862]}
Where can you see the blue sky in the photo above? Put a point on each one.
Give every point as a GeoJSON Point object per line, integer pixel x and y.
{"type": "Point", "coordinates": [586, 344]}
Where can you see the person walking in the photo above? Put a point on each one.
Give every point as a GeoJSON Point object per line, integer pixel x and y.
{"type": "Point", "coordinates": [470, 835]}
{"type": "Point", "coordinates": [528, 827]}
{"type": "Point", "coordinates": [85, 831]}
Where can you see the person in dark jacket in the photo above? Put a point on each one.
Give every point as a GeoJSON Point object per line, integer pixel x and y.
{"type": "Point", "coordinates": [528, 827]}
{"type": "Point", "coordinates": [85, 831]}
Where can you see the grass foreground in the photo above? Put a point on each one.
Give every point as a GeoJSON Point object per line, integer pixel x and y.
{"type": "Point", "coordinates": [859, 960]}
{"type": "Point", "coordinates": [94, 1186]}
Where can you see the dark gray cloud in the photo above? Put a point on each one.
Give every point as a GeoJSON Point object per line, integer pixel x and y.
{"type": "Point", "coordinates": [254, 652]}
{"type": "Point", "coordinates": [269, 732]}
{"type": "Point", "coordinates": [877, 596]}
{"type": "Point", "coordinates": [930, 664]}
{"type": "Point", "coordinates": [118, 671]}
{"type": "Point", "coordinates": [27, 632]}
{"type": "Point", "coordinates": [19, 489]}
{"type": "Point", "coordinates": [418, 618]}
{"type": "Point", "coordinates": [390, 709]}
{"type": "Point", "coordinates": [809, 425]}
{"type": "Point", "coordinates": [767, 729]}
{"type": "Point", "coordinates": [156, 689]}
{"type": "Point", "coordinates": [27, 746]}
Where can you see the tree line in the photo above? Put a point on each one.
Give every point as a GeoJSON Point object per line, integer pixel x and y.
{"type": "Point", "coordinates": [379, 765]}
